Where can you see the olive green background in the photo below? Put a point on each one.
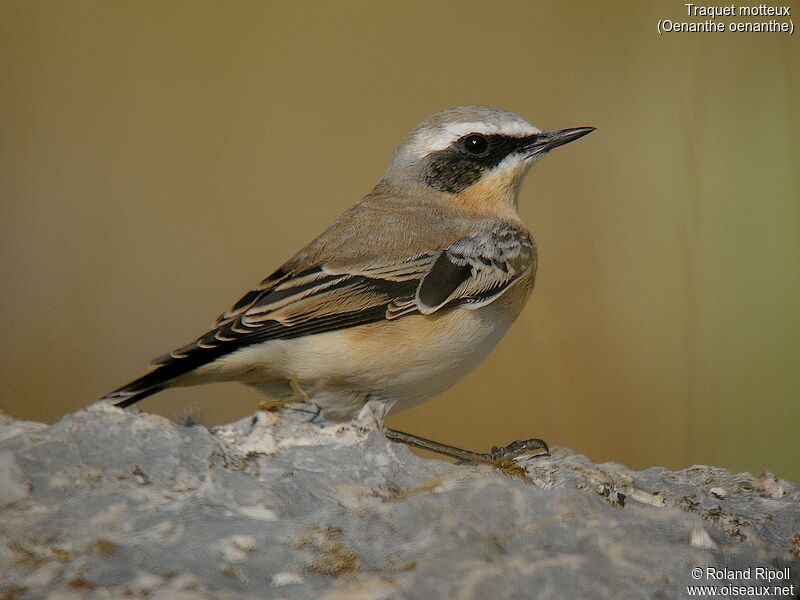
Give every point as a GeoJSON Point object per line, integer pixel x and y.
{"type": "Point", "coordinates": [159, 158]}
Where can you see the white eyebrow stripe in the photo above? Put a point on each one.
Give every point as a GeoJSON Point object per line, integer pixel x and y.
{"type": "Point", "coordinates": [442, 137]}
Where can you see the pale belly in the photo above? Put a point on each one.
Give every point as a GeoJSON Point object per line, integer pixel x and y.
{"type": "Point", "coordinates": [405, 361]}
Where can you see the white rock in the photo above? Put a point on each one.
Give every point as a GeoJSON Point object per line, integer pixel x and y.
{"type": "Point", "coordinates": [14, 486]}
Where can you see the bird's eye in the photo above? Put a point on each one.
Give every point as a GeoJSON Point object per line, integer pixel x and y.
{"type": "Point", "coordinates": [476, 144]}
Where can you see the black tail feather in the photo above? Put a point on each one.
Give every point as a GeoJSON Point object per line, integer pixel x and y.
{"type": "Point", "coordinates": [134, 397]}
{"type": "Point", "coordinates": [150, 383]}
{"type": "Point", "coordinates": [168, 368]}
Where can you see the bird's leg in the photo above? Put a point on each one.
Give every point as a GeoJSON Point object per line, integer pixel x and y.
{"type": "Point", "coordinates": [298, 393]}
{"type": "Point", "coordinates": [530, 448]}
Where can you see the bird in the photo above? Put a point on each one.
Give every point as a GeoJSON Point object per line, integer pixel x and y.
{"type": "Point", "coordinates": [403, 295]}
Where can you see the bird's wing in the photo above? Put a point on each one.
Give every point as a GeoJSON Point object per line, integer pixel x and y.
{"type": "Point", "coordinates": [472, 272]}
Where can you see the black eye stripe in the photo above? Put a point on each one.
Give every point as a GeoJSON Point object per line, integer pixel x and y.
{"type": "Point", "coordinates": [498, 146]}
{"type": "Point", "coordinates": [455, 168]}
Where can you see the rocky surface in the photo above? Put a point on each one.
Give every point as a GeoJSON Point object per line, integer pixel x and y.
{"type": "Point", "coordinates": [113, 504]}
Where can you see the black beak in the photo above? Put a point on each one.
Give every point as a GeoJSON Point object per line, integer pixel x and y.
{"type": "Point", "coordinates": [547, 140]}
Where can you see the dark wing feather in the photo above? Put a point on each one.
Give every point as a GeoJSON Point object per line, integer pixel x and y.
{"type": "Point", "coordinates": [477, 269]}
{"type": "Point", "coordinates": [443, 279]}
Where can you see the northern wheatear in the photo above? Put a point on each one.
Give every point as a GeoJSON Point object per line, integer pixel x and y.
{"type": "Point", "coordinates": [403, 295]}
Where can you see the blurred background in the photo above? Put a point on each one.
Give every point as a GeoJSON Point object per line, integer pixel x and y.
{"type": "Point", "coordinates": [157, 159]}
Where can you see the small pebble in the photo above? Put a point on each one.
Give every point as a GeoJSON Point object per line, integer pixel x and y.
{"type": "Point", "coordinates": [699, 538]}
{"type": "Point", "coordinates": [647, 498]}
{"type": "Point", "coordinates": [718, 492]}
{"type": "Point", "coordinates": [769, 485]}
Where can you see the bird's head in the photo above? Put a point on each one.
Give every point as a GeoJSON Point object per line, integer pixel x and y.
{"type": "Point", "coordinates": [474, 154]}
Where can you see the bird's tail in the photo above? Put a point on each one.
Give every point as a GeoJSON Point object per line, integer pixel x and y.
{"type": "Point", "coordinates": [124, 398]}
{"type": "Point", "coordinates": [148, 384]}
{"type": "Point", "coordinates": [166, 370]}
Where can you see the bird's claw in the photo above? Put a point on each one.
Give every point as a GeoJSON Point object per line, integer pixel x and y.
{"type": "Point", "coordinates": [531, 448]}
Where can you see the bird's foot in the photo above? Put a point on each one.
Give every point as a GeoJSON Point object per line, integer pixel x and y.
{"type": "Point", "coordinates": [531, 448]}
{"type": "Point", "coordinates": [374, 412]}
{"type": "Point", "coordinates": [505, 455]}
{"type": "Point", "coordinates": [271, 405]}
{"type": "Point", "coordinates": [298, 400]}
